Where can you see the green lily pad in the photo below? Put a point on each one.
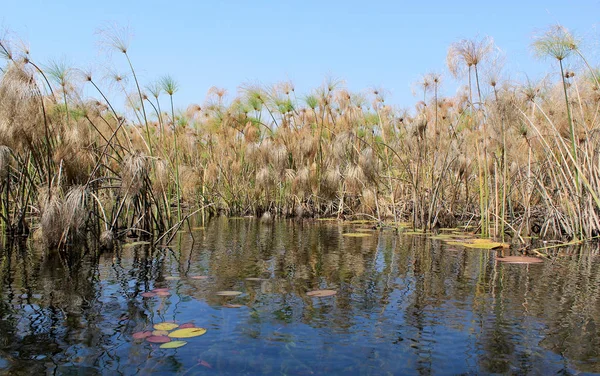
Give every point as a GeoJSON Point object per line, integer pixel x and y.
{"type": "Point", "coordinates": [173, 344]}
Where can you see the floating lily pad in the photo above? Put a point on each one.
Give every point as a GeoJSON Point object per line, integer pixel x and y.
{"type": "Point", "coordinates": [148, 294]}
{"type": "Point", "coordinates": [479, 244]}
{"type": "Point", "coordinates": [160, 333]}
{"type": "Point", "coordinates": [187, 325]}
{"type": "Point", "coordinates": [128, 245]}
{"type": "Point", "coordinates": [158, 339]}
{"type": "Point", "coordinates": [199, 277]}
{"type": "Point", "coordinates": [172, 278]}
{"type": "Point", "coordinates": [520, 260]}
{"type": "Point", "coordinates": [163, 293]}
{"type": "Point", "coordinates": [321, 293]}
{"type": "Point", "coordinates": [228, 293]}
{"type": "Point", "coordinates": [142, 335]}
{"type": "Point", "coordinates": [166, 326]}
{"type": "Point", "coordinates": [162, 289]}
{"type": "Point", "coordinates": [173, 344]}
{"type": "Point", "coordinates": [187, 333]}
{"type": "Point", "coordinates": [356, 235]}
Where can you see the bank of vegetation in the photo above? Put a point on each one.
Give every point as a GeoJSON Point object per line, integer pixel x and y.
{"type": "Point", "coordinates": [511, 158]}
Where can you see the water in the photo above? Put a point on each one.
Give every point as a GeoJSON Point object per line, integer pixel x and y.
{"type": "Point", "coordinates": [404, 305]}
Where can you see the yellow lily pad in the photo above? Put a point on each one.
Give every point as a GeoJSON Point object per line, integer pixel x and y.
{"type": "Point", "coordinates": [187, 333]}
{"type": "Point", "coordinates": [160, 333]}
{"type": "Point", "coordinates": [173, 344]}
{"type": "Point", "coordinates": [166, 326]}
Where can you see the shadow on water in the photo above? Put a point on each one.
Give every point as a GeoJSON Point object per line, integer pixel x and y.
{"type": "Point", "coordinates": [404, 305]}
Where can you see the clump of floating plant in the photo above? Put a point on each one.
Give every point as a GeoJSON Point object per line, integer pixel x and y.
{"type": "Point", "coordinates": [165, 332]}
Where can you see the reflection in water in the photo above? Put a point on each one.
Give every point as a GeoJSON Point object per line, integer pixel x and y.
{"type": "Point", "coordinates": [405, 305]}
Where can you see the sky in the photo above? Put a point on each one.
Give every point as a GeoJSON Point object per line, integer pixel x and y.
{"type": "Point", "coordinates": [383, 44]}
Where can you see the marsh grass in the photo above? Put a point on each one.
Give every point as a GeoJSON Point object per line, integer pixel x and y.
{"type": "Point", "coordinates": [517, 159]}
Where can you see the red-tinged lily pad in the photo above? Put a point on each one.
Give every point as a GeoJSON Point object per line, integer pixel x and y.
{"type": "Point", "coordinates": [158, 339]}
{"type": "Point", "coordinates": [148, 294]}
{"type": "Point", "coordinates": [187, 325]}
{"type": "Point", "coordinates": [228, 293]}
{"type": "Point", "coordinates": [200, 277]}
{"type": "Point", "coordinates": [161, 289]}
{"type": "Point", "coordinates": [520, 260]}
{"type": "Point", "coordinates": [163, 293]}
{"type": "Point", "coordinates": [232, 305]}
{"type": "Point", "coordinates": [142, 335]}
{"type": "Point", "coordinates": [321, 293]}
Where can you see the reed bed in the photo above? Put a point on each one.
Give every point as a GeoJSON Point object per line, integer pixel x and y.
{"type": "Point", "coordinates": [513, 159]}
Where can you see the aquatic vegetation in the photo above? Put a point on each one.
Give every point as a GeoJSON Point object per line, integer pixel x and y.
{"type": "Point", "coordinates": [514, 159]}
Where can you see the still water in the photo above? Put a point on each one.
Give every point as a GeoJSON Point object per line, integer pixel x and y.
{"type": "Point", "coordinates": [405, 304]}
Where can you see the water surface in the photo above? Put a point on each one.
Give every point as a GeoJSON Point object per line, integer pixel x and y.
{"type": "Point", "coordinates": [404, 305]}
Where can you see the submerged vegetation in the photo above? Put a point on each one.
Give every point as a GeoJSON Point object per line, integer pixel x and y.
{"type": "Point", "coordinates": [510, 158]}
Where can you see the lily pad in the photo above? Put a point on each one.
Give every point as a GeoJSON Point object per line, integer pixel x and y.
{"type": "Point", "coordinates": [166, 326]}
{"type": "Point", "coordinates": [199, 277]}
{"type": "Point", "coordinates": [356, 234]}
{"type": "Point", "coordinates": [479, 244]}
{"type": "Point", "coordinates": [171, 278]}
{"type": "Point", "coordinates": [148, 294]}
{"type": "Point", "coordinates": [142, 335]}
{"type": "Point", "coordinates": [173, 344]}
{"type": "Point", "coordinates": [161, 289]}
{"type": "Point", "coordinates": [321, 293]}
{"type": "Point", "coordinates": [187, 333]}
{"type": "Point", "coordinates": [187, 325]}
{"type": "Point", "coordinates": [228, 293]}
{"type": "Point", "coordinates": [520, 260]}
{"type": "Point", "coordinates": [163, 293]}
{"type": "Point", "coordinates": [158, 339]}
{"type": "Point", "coordinates": [160, 333]}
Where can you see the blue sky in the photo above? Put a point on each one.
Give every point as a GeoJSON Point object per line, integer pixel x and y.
{"type": "Point", "coordinates": [387, 44]}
